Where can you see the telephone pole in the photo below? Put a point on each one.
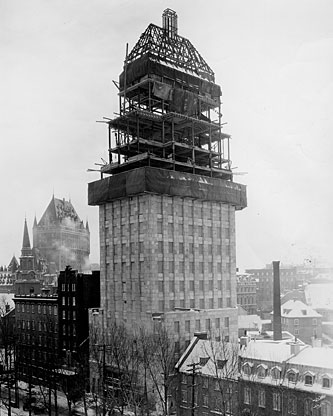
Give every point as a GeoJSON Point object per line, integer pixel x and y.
{"type": "Point", "coordinates": [194, 370]}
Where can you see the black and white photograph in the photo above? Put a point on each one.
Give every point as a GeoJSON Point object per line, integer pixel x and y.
{"type": "Point", "coordinates": [166, 208]}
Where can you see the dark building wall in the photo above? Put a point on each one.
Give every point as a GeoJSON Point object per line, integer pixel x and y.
{"type": "Point", "coordinates": [77, 293]}
{"type": "Point", "coordinates": [37, 334]}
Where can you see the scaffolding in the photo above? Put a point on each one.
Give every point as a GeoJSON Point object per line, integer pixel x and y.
{"type": "Point", "coordinates": [169, 108]}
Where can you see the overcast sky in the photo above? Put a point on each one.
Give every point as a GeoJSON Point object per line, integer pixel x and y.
{"type": "Point", "coordinates": [273, 59]}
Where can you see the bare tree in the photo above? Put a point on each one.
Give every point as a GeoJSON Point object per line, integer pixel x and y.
{"type": "Point", "coordinates": [158, 357]}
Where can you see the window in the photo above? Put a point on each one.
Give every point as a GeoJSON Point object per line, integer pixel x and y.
{"type": "Point", "coordinates": [296, 321]}
{"type": "Point", "coordinates": [261, 398]}
{"type": "Point", "coordinates": [326, 382]}
{"type": "Point", "coordinates": [197, 325]}
{"type": "Point", "coordinates": [292, 405]}
{"type": "Point", "coordinates": [160, 285]}
{"type": "Point", "coordinates": [226, 322]}
{"type": "Point", "coordinates": [207, 324]}
{"type": "Point", "coordinates": [176, 326]}
{"type": "Point", "coordinates": [292, 376]}
{"type": "Point", "coordinates": [74, 301]}
{"type": "Point", "coordinates": [205, 400]}
{"type": "Point", "coordinates": [63, 314]}
{"type": "Point", "coordinates": [296, 331]}
{"type": "Point", "coordinates": [171, 286]}
{"type": "Point", "coordinates": [308, 380]}
{"type": "Point", "coordinates": [276, 401]}
{"type": "Point", "coordinates": [74, 315]}
{"type": "Point", "coordinates": [64, 301]}
{"type": "Point", "coordinates": [160, 266]}
{"type": "Point", "coordinates": [314, 321]}
{"type": "Point", "coordinates": [184, 395]}
{"type": "Point", "coordinates": [181, 285]}
{"type": "Point", "coordinates": [308, 407]}
{"type": "Point", "coordinates": [247, 395]}
{"type": "Point", "coordinates": [191, 285]}
{"type": "Point", "coordinates": [205, 379]}
{"type": "Point", "coordinates": [220, 364]}
{"type": "Point", "coordinates": [326, 409]}
{"type": "Point", "coordinates": [261, 371]}
{"type": "Point", "coordinates": [187, 326]}
{"type": "Point", "coordinates": [276, 372]}
{"type": "Point", "coordinates": [33, 308]}
{"type": "Point", "coordinates": [246, 369]}
{"type": "Point", "coordinates": [217, 323]}
{"type": "Point", "coordinates": [184, 378]}
{"type": "Point", "coordinates": [63, 287]}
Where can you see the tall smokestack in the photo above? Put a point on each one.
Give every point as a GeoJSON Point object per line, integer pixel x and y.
{"type": "Point", "coordinates": [276, 302]}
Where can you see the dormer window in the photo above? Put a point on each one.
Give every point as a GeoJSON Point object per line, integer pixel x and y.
{"type": "Point", "coordinates": [326, 382]}
{"type": "Point", "coordinates": [276, 373]}
{"type": "Point", "coordinates": [308, 379]}
{"type": "Point", "coordinates": [292, 376]}
{"type": "Point", "coordinates": [247, 368]}
{"type": "Point", "coordinates": [261, 370]}
{"type": "Point", "coordinates": [221, 364]}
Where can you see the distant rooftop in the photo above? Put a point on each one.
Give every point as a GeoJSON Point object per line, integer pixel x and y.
{"type": "Point", "coordinates": [298, 309]}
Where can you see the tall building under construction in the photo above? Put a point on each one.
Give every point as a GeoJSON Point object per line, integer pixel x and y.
{"type": "Point", "coordinates": [166, 198]}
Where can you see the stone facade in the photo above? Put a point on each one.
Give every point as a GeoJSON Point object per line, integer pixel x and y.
{"type": "Point", "coordinates": [166, 254]}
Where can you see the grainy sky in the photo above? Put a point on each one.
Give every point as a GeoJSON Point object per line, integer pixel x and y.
{"type": "Point", "coordinates": [273, 59]}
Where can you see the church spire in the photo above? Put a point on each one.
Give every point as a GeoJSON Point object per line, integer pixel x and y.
{"type": "Point", "coordinates": [26, 239]}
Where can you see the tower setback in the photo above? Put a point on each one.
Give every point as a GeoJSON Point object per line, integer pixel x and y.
{"type": "Point", "coordinates": [167, 212]}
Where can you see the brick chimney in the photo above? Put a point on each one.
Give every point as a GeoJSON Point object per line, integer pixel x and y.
{"type": "Point", "coordinates": [277, 330]}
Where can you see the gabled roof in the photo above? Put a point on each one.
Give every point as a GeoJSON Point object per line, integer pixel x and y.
{"type": "Point", "coordinates": [298, 309]}
{"type": "Point", "coordinates": [176, 51]}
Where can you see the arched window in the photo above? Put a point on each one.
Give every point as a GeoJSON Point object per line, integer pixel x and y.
{"type": "Point", "coordinates": [308, 379]}
{"type": "Point", "coordinates": [326, 409]}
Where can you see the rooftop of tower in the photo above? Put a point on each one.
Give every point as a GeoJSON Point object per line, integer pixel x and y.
{"type": "Point", "coordinates": [170, 113]}
{"type": "Point", "coordinates": [58, 210]}
{"type": "Point", "coordinates": [164, 45]}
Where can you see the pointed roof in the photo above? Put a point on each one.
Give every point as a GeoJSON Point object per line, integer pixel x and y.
{"type": "Point", "coordinates": [13, 265]}
{"type": "Point", "coordinates": [26, 239]}
{"type": "Point", "coordinates": [87, 225]}
{"type": "Point", "coordinates": [57, 210]}
{"type": "Point", "coordinates": [171, 49]}
{"type": "Point", "coordinates": [35, 222]}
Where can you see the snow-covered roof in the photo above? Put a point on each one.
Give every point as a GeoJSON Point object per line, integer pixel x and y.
{"type": "Point", "coordinates": [272, 351]}
{"type": "Point", "coordinates": [314, 357]}
{"type": "Point", "coordinates": [298, 309]}
{"type": "Point", "coordinates": [249, 321]}
{"type": "Point", "coordinates": [214, 358]}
